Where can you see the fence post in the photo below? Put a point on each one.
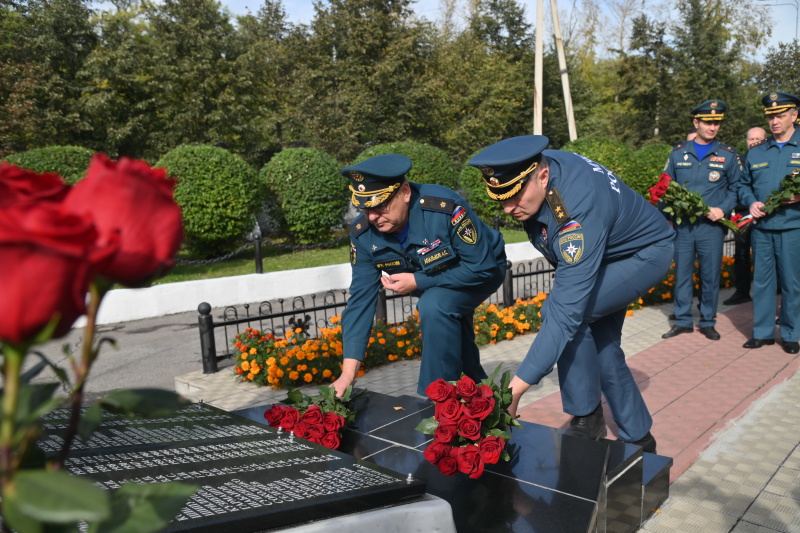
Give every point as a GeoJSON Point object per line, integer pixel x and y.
{"type": "Point", "coordinates": [508, 286]}
{"type": "Point", "coordinates": [255, 236]}
{"type": "Point", "coordinates": [380, 310]}
{"type": "Point", "coordinates": [208, 348]}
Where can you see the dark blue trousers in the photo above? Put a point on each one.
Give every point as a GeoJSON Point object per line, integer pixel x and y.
{"type": "Point", "coordinates": [701, 242]}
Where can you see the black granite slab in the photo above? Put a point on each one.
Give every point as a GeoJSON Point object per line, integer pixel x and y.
{"type": "Point", "coordinates": [251, 477]}
{"type": "Point", "coordinates": [655, 483]}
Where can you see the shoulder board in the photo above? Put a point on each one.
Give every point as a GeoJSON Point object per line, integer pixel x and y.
{"type": "Point", "coordinates": [727, 148]}
{"type": "Point", "coordinates": [678, 146]}
{"type": "Point", "coordinates": [762, 141]}
{"type": "Point", "coordinates": [557, 206]}
{"type": "Point", "coordinates": [359, 226]}
{"type": "Point", "coordinates": [434, 203]}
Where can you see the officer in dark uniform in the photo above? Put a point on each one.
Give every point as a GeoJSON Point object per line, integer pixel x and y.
{"type": "Point", "coordinates": [609, 247]}
{"type": "Point", "coordinates": [429, 243]}
{"type": "Point", "coordinates": [774, 237]}
{"type": "Point", "coordinates": [712, 169]}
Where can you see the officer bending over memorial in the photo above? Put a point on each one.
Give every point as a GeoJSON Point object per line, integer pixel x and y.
{"type": "Point", "coordinates": [431, 244]}
{"type": "Point", "coordinates": [609, 246]}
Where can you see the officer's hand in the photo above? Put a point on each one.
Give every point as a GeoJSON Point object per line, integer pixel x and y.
{"type": "Point", "coordinates": [348, 377]}
{"type": "Point", "coordinates": [518, 388]}
{"type": "Point", "coordinates": [403, 283]}
{"type": "Point", "coordinates": [341, 385]}
{"type": "Point", "coordinates": [714, 214]}
{"type": "Point", "coordinates": [755, 209]}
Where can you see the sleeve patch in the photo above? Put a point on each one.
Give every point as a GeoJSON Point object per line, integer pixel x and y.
{"type": "Point", "coordinates": [353, 253]}
{"type": "Point", "coordinates": [467, 231]}
{"type": "Point", "coordinates": [571, 247]}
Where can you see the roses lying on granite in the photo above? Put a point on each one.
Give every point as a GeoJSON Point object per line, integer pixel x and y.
{"type": "Point", "coordinates": [319, 419]}
{"type": "Point", "coordinates": [471, 424]}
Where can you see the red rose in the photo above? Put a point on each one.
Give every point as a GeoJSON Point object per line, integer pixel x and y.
{"type": "Point", "coordinates": [46, 265]}
{"type": "Point", "coordinates": [301, 430]}
{"type": "Point", "coordinates": [132, 200]}
{"type": "Point", "coordinates": [291, 416]}
{"type": "Point", "coordinates": [448, 465]}
{"type": "Point", "coordinates": [466, 387]}
{"type": "Point", "coordinates": [274, 414]}
{"type": "Point", "coordinates": [449, 410]}
{"type": "Point", "coordinates": [469, 428]}
{"type": "Point", "coordinates": [491, 447]}
{"type": "Point", "coordinates": [313, 415]}
{"type": "Point", "coordinates": [332, 421]}
{"type": "Point", "coordinates": [20, 185]}
{"type": "Point", "coordinates": [485, 391]}
{"type": "Point", "coordinates": [331, 440]}
{"type": "Point", "coordinates": [440, 390]}
{"type": "Point", "coordinates": [479, 408]}
{"type": "Point", "coordinates": [445, 433]}
{"type": "Point", "coordinates": [315, 440]}
{"type": "Point", "coordinates": [315, 430]}
{"type": "Point", "coordinates": [435, 451]}
{"type": "Point", "coordinates": [470, 461]}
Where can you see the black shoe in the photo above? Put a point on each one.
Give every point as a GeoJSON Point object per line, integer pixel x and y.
{"type": "Point", "coordinates": [671, 316]}
{"type": "Point", "coordinates": [710, 333]}
{"type": "Point", "coordinates": [648, 443]}
{"type": "Point", "coordinates": [676, 330]}
{"type": "Point", "coordinates": [591, 426]}
{"type": "Point", "coordinates": [754, 343]}
{"type": "Point", "coordinates": [791, 347]}
{"type": "Point", "coordinates": [738, 298]}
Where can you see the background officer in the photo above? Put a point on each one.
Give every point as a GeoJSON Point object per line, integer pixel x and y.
{"type": "Point", "coordinates": [609, 246]}
{"type": "Point", "coordinates": [774, 237]}
{"type": "Point", "coordinates": [431, 244]}
{"type": "Point", "coordinates": [712, 169]}
{"type": "Point", "coordinates": [742, 274]}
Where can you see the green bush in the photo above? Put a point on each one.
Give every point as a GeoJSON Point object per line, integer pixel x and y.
{"type": "Point", "coordinates": [430, 164]}
{"type": "Point", "coordinates": [311, 194]}
{"type": "Point", "coordinates": [474, 190]}
{"type": "Point", "coordinates": [70, 162]}
{"type": "Point", "coordinates": [649, 164]}
{"type": "Point", "coordinates": [219, 193]}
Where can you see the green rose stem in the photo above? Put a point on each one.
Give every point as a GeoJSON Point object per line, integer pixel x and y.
{"type": "Point", "coordinates": [12, 366]}
{"type": "Point", "coordinates": [97, 290]}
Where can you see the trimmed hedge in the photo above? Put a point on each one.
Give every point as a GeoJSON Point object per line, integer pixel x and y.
{"type": "Point", "coordinates": [219, 194]}
{"type": "Point", "coordinates": [310, 193]}
{"type": "Point", "coordinates": [430, 164]}
{"type": "Point", "coordinates": [70, 162]}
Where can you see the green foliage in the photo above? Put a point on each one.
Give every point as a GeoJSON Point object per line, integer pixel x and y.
{"type": "Point", "coordinates": [70, 162]}
{"type": "Point", "coordinates": [648, 164]}
{"type": "Point", "coordinates": [430, 164]}
{"type": "Point", "coordinates": [219, 194]}
{"type": "Point", "coordinates": [309, 190]}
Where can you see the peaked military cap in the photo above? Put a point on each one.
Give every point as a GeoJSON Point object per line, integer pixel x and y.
{"type": "Point", "coordinates": [778, 102]}
{"type": "Point", "coordinates": [506, 165]}
{"type": "Point", "coordinates": [710, 110]}
{"type": "Point", "coordinates": [376, 179]}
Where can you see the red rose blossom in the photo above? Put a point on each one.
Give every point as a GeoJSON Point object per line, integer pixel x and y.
{"type": "Point", "coordinates": [312, 416]}
{"type": "Point", "coordinates": [485, 391]}
{"type": "Point", "coordinates": [448, 410]}
{"type": "Point", "coordinates": [332, 421]}
{"type": "Point", "coordinates": [274, 414]}
{"type": "Point", "coordinates": [466, 387]}
{"type": "Point", "coordinates": [440, 390]}
{"type": "Point", "coordinates": [331, 440]}
{"type": "Point", "coordinates": [290, 417]}
{"type": "Point", "coordinates": [470, 461]}
{"type": "Point", "coordinates": [469, 428]}
{"type": "Point", "coordinates": [448, 465]}
{"type": "Point", "coordinates": [435, 451]}
{"type": "Point", "coordinates": [315, 430]}
{"type": "Point", "coordinates": [491, 447]}
{"type": "Point", "coordinates": [19, 185]}
{"type": "Point", "coordinates": [301, 430]}
{"type": "Point", "coordinates": [46, 264]}
{"type": "Point", "coordinates": [130, 200]}
{"type": "Point", "coordinates": [445, 432]}
{"type": "Point", "coordinates": [479, 408]}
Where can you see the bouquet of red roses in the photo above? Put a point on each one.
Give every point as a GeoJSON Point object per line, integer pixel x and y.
{"type": "Point", "coordinates": [319, 419]}
{"type": "Point", "coordinates": [680, 202]}
{"type": "Point", "coordinates": [788, 192]}
{"type": "Point", "coordinates": [471, 424]}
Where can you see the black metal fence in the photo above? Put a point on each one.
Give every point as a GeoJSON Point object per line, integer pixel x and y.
{"type": "Point", "coordinates": [310, 313]}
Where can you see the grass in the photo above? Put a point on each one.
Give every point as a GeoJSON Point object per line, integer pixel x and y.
{"type": "Point", "coordinates": [276, 259]}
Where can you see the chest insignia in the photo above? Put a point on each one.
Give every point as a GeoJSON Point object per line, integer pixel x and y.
{"type": "Point", "coordinates": [426, 249]}
{"type": "Point", "coordinates": [374, 247]}
{"type": "Point", "coordinates": [717, 159]}
{"type": "Point", "coordinates": [761, 165]}
{"type": "Point", "coordinates": [679, 164]}
{"type": "Point", "coordinates": [685, 157]}
{"type": "Point", "coordinates": [713, 176]}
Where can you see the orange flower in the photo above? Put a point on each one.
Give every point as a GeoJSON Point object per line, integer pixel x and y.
{"type": "Point", "coordinates": [293, 375]}
{"type": "Point", "coordinates": [326, 373]}
{"type": "Point", "coordinates": [253, 351]}
{"type": "Point", "coordinates": [382, 341]}
{"type": "Point", "coordinates": [307, 378]}
{"type": "Point", "coordinates": [509, 335]}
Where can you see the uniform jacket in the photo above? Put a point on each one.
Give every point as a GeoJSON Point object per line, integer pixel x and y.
{"type": "Point", "coordinates": [448, 246]}
{"type": "Point", "coordinates": [716, 177]}
{"type": "Point", "coordinates": [766, 165]}
{"type": "Point", "coordinates": [591, 217]}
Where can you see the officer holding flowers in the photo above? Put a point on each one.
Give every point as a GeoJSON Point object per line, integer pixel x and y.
{"type": "Point", "coordinates": [608, 246]}
{"type": "Point", "coordinates": [712, 169]}
{"type": "Point", "coordinates": [426, 241]}
{"type": "Point", "coordinates": [775, 236]}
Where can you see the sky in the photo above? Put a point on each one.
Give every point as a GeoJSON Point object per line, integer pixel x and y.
{"type": "Point", "coordinates": [784, 13]}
